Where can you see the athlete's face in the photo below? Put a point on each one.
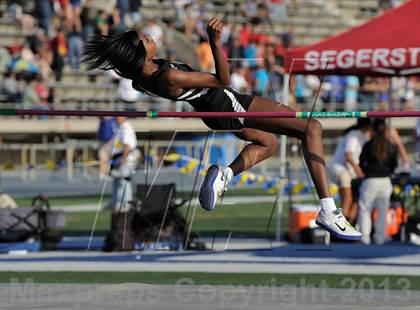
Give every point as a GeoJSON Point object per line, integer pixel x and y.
{"type": "Point", "coordinates": [149, 44]}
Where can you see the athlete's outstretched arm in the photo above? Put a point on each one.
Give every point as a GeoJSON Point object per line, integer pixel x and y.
{"type": "Point", "coordinates": [214, 31]}
{"type": "Point", "coordinates": [176, 79]}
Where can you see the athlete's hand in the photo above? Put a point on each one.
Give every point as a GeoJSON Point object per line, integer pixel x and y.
{"type": "Point", "coordinates": [214, 31]}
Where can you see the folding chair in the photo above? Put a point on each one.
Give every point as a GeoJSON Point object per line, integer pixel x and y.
{"type": "Point", "coordinates": [157, 217]}
{"type": "Point", "coordinates": [36, 221]}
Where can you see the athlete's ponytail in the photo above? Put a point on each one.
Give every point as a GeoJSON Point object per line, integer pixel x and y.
{"type": "Point", "coordinates": [379, 141]}
{"type": "Point", "coordinates": [124, 53]}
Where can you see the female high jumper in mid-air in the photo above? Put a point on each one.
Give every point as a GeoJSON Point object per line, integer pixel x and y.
{"type": "Point", "coordinates": [132, 56]}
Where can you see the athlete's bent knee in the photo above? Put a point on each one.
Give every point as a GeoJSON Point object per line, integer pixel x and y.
{"type": "Point", "coordinates": [271, 145]}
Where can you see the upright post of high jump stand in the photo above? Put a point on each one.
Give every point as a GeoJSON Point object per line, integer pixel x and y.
{"type": "Point", "coordinates": [282, 151]}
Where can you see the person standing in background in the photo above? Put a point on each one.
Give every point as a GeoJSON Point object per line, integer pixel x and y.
{"type": "Point", "coordinates": [75, 42]}
{"type": "Point", "coordinates": [87, 19]}
{"type": "Point", "coordinates": [344, 166]}
{"type": "Point", "coordinates": [123, 7]}
{"type": "Point", "coordinates": [59, 49]}
{"type": "Point", "coordinates": [378, 161]}
{"type": "Point", "coordinates": [351, 93]}
{"type": "Point", "coordinates": [106, 132]}
{"type": "Point", "coordinates": [43, 13]}
{"type": "Point", "coordinates": [395, 139]}
{"type": "Point", "coordinates": [123, 164]}
{"type": "Point", "coordinates": [134, 11]}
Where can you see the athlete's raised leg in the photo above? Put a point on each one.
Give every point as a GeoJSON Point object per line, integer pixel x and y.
{"type": "Point", "coordinates": [263, 145]}
{"type": "Point", "coordinates": [310, 133]}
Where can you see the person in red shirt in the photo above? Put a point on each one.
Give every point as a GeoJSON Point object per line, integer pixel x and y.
{"type": "Point", "coordinates": [244, 35]}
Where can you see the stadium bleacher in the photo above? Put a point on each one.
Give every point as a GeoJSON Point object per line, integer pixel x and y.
{"type": "Point", "coordinates": [307, 20]}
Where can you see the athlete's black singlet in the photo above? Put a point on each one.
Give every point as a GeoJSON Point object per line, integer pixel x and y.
{"type": "Point", "coordinates": [202, 99]}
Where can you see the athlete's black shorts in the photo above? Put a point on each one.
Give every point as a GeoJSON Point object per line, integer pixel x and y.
{"type": "Point", "coordinates": [223, 100]}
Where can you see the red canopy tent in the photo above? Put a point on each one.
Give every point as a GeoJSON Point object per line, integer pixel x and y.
{"type": "Point", "coordinates": [386, 45]}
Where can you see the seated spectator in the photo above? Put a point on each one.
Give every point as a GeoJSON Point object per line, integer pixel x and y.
{"type": "Point", "coordinates": [409, 93]}
{"type": "Point", "coordinates": [250, 8]}
{"type": "Point", "coordinates": [191, 16]}
{"type": "Point", "coordinates": [299, 88]}
{"type": "Point", "coordinates": [204, 55]}
{"type": "Point", "coordinates": [277, 9]}
{"type": "Point", "coordinates": [25, 20]}
{"type": "Point", "coordinates": [263, 13]}
{"type": "Point", "coordinates": [287, 38]}
{"type": "Point", "coordinates": [31, 96]}
{"type": "Point", "coordinates": [5, 58]}
{"type": "Point", "coordinates": [244, 35]}
{"type": "Point", "coordinates": [180, 16]}
{"type": "Point", "coordinates": [42, 91]}
{"type": "Point", "coordinates": [169, 40]}
{"type": "Point", "coordinates": [262, 80]}
{"type": "Point", "coordinates": [154, 30]}
{"type": "Point", "coordinates": [235, 50]}
{"type": "Point", "coordinates": [251, 53]}
{"type": "Point", "coordinates": [351, 93]}
{"type": "Point", "coordinates": [43, 60]}
{"type": "Point", "coordinates": [10, 87]}
{"type": "Point", "coordinates": [378, 161]}
{"type": "Point", "coordinates": [101, 23]}
{"type": "Point", "coordinates": [114, 21]}
{"type": "Point", "coordinates": [336, 91]}
{"type": "Point", "coordinates": [238, 81]}
{"type": "Point", "coordinates": [384, 5]}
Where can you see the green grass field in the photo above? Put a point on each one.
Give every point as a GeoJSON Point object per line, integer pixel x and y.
{"type": "Point", "coordinates": [66, 200]}
{"type": "Point", "coordinates": [246, 220]}
{"type": "Point", "coordinates": [241, 219]}
{"type": "Point", "coordinates": [297, 280]}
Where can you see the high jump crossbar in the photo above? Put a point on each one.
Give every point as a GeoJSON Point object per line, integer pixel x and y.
{"type": "Point", "coordinates": [153, 114]}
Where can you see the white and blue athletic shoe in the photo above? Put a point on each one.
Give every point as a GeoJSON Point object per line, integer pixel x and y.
{"type": "Point", "coordinates": [336, 224]}
{"type": "Point", "coordinates": [213, 186]}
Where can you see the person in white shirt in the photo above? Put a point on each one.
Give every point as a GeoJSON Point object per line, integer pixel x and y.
{"type": "Point", "coordinates": [127, 94]}
{"type": "Point", "coordinates": [238, 81]}
{"type": "Point", "coordinates": [344, 166]}
{"type": "Point", "coordinates": [154, 30]}
{"type": "Point", "coordinates": [123, 164]}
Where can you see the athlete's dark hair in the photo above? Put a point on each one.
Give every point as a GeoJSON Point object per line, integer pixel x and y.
{"type": "Point", "coordinates": [379, 141]}
{"type": "Point", "coordinates": [124, 53]}
{"type": "Point", "coordinates": [362, 123]}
